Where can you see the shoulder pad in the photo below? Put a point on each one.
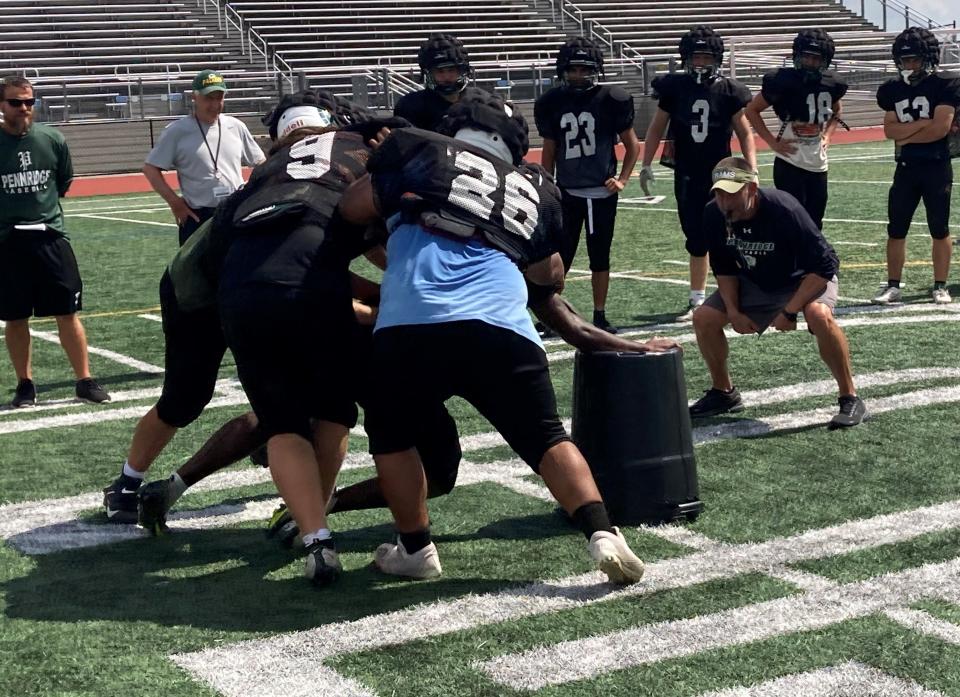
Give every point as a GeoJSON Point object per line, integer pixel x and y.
{"type": "Point", "coordinates": [618, 94]}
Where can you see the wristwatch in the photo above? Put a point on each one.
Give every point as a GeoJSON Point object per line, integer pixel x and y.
{"type": "Point", "coordinates": [791, 316]}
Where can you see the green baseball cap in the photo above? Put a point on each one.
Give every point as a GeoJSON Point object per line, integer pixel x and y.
{"type": "Point", "coordinates": [208, 81]}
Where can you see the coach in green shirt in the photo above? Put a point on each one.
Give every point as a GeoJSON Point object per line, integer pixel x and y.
{"type": "Point", "coordinates": [38, 271]}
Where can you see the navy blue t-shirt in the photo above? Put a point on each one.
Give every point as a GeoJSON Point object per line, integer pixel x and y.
{"type": "Point", "coordinates": [775, 249]}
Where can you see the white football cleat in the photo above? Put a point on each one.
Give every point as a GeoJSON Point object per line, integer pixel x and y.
{"type": "Point", "coordinates": [614, 557]}
{"type": "Point", "coordinates": [393, 559]}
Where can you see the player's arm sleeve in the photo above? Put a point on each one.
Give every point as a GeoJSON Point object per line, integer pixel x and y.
{"type": "Point", "coordinates": [951, 93]}
{"type": "Point", "coordinates": [770, 87]}
{"type": "Point", "coordinates": [839, 89]}
{"type": "Point", "coordinates": [164, 153]}
{"type": "Point", "coordinates": [660, 90]}
{"type": "Point", "coordinates": [624, 109]}
{"type": "Point", "coordinates": [543, 117]}
{"type": "Point", "coordinates": [64, 168]}
{"type": "Point", "coordinates": [741, 96]}
{"type": "Point", "coordinates": [714, 228]}
{"type": "Point", "coordinates": [884, 98]}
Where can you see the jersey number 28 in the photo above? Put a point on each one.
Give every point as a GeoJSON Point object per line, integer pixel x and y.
{"type": "Point", "coordinates": [474, 190]}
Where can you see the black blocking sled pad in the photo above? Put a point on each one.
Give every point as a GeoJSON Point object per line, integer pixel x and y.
{"type": "Point", "coordinates": [631, 421]}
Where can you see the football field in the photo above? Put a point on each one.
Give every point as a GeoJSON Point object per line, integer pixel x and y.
{"type": "Point", "coordinates": [826, 563]}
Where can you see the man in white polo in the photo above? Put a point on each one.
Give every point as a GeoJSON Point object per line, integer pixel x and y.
{"type": "Point", "coordinates": [207, 151]}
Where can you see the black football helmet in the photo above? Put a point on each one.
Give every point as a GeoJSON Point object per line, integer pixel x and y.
{"type": "Point", "coordinates": [816, 42]}
{"type": "Point", "coordinates": [488, 112]}
{"type": "Point", "coordinates": [444, 51]}
{"type": "Point", "coordinates": [579, 51]}
{"type": "Point", "coordinates": [701, 39]}
{"type": "Point", "coordinates": [916, 42]}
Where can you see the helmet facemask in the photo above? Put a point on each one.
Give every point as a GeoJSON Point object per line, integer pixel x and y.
{"type": "Point", "coordinates": [586, 78]}
{"type": "Point", "coordinates": [445, 88]}
{"type": "Point", "coordinates": [705, 73]}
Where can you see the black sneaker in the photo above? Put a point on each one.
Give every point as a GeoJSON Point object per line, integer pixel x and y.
{"type": "Point", "coordinates": [283, 527]}
{"type": "Point", "coordinates": [153, 504]}
{"type": "Point", "coordinates": [259, 456]}
{"type": "Point", "coordinates": [26, 394]}
{"type": "Point", "coordinates": [715, 402]}
{"type": "Point", "coordinates": [852, 412]}
{"type": "Point", "coordinates": [600, 322]}
{"type": "Point", "coordinates": [322, 565]}
{"type": "Point", "coordinates": [88, 390]}
{"type": "Point", "coordinates": [120, 499]}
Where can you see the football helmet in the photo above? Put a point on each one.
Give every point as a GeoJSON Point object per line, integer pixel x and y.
{"type": "Point", "coordinates": [579, 51]}
{"type": "Point", "coordinates": [444, 51]}
{"type": "Point", "coordinates": [815, 42]}
{"type": "Point", "coordinates": [916, 42]}
{"type": "Point", "coordinates": [322, 101]}
{"type": "Point", "coordinates": [490, 114]}
{"type": "Point", "coordinates": [701, 39]}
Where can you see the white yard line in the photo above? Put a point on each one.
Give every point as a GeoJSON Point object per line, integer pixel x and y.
{"type": "Point", "coordinates": [122, 220]}
{"type": "Point", "coordinates": [849, 679]}
{"type": "Point", "coordinates": [151, 317]}
{"type": "Point", "coordinates": [103, 211]}
{"type": "Point", "coordinates": [925, 623]}
{"type": "Point", "coordinates": [274, 665]}
{"type": "Point", "coordinates": [105, 353]}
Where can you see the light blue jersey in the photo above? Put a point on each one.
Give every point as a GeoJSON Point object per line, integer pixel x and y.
{"type": "Point", "coordinates": [432, 279]}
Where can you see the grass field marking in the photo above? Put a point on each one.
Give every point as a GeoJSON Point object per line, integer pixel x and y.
{"type": "Point", "coordinates": [925, 623]}
{"type": "Point", "coordinates": [855, 244]}
{"type": "Point", "coordinates": [123, 220]}
{"type": "Point", "coordinates": [103, 211]}
{"type": "Point", "coordinates": [105, 353]}
{"type": "Point", "coordinates": [587, 658]}
{"type": "Point", "coordinates": [749, 428]}
{"type": "Point", "coordinates": [150, 316]}
{"type": "Point", "coordinates": [847, 679]}
{"type": "Point", "coordinates": [107, 200]}
{"type": "Point", "coordinates": [73, 403]}
{"type": "Point", "coordinates": [275, 665]}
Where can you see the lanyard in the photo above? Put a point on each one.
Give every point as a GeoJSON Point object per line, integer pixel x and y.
{"type": "Point", "coordinates": [213, 157]}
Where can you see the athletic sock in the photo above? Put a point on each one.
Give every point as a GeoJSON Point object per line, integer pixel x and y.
{"type": "Point", "coordinates": [893, 283]}
{"type": "Point", "coordinates": [697, 296]}
{"type": "Point", "coordinates": [323, 536]}
{"type": "Point", "coordinates": [175, 487]}
{"type": "Point", "coordinates": [128, 471]}
{"type": "Point", "coordinates": [591, 517]}
{"type": "Point", "coordinates": [937, 285]}
{"type": "Point", "coordinates": [413, 542]}
{"type": "Point", "coordinates": [599, 316]}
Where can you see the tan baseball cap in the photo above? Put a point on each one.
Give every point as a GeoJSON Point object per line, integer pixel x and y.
{"type": "Point", "coordinates": [732, 173]}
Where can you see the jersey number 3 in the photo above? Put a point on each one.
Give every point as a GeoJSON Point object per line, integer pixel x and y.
{"type": "Point", "coordinates": [580, 128]}
{"type": "Point", "coordinates": [474, 189]}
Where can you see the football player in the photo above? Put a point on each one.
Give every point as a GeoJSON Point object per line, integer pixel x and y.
{"type": "Point", "coordinates": [445, 67]}
{"type": "Point", "coordinates": [464, 220]}
{"type": "Point", "coordinates": [580, 121]}
{"type": "Point", "coordinates": [921, 106]}
{"type": "Point", "coordinates": [703, 108]}
{"type": "Point", "coordinates": [806, 99]}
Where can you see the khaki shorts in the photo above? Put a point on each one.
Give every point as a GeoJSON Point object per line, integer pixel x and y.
{"type": "Point", "coordinates": [762, 306]}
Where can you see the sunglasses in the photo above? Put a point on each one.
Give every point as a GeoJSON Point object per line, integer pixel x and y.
{"type": "Point", "coordinates": [16, 103]}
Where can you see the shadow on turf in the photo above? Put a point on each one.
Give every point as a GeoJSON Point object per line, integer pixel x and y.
{"type": "Point", "coordinates": [235, 580]}
{"type": "Point", "coordinates": [104, 380]}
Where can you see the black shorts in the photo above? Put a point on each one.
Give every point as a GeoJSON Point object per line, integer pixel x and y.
{"type": "Point", "coordinates": [38, 276]}
{"type": "Point", "coordinates": [435, 433]}
{"type": "Point", "coordinates": [932, 182]}
{"type": "Point", "coordinates": [809, 188]}
{"type": "Point", "coordinates": [599, 215]}
{"type": "Point", "coordinates": [504, 375]}
{"type": "Point", "coordinates": [693, 194]}
{"type": "Point", "coordinates": [193, 352]}
{"type": "Point", "coordinates": [293, 354]}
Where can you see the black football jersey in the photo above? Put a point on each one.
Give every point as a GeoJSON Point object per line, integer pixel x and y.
{"type": "Point", "coordinates": [585, 126]}
{"type": "Point", "coordinates": [279, 227]}
{"type": "Point", "coordinates": [700, 117]}
{"type": "Point", "coordinates": [426, 108]}
{"type": "Point", "coordinates": [796, 100]}
{"type": "Point", "coordinates": [515, 209]}
{"type": "Point", "coordinates": [912, 102]}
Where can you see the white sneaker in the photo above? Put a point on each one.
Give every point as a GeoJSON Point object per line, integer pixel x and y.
{"type": "Point", "coordinates": [888, 295]}
{"type": "Point", "coordinates": [688, 315]}
{"type": "Point", "coordinates": [393, 559]}
{"type": "Point", "coordinates": [941, 296]}
{"type": "Point", "coordinates": [614, 557]}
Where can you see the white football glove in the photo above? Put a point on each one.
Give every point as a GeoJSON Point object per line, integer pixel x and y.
{"type": "Point", "coordinates": [647, 178]}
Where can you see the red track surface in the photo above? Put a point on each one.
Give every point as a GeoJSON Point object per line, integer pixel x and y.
{"type": "Point", "coordinates": [135, 182]}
